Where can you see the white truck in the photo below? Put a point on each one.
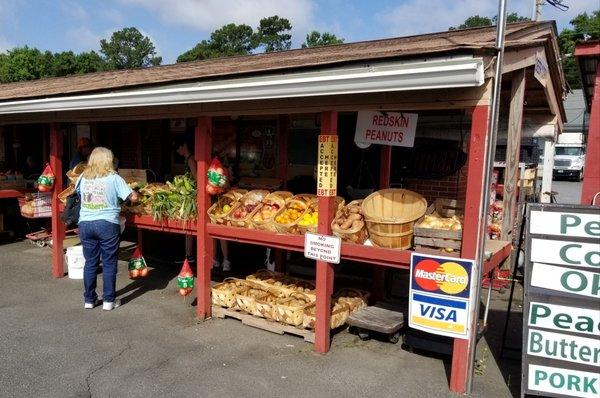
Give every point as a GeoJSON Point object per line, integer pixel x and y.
{"type": "Point", "coordinates": [569, 156]}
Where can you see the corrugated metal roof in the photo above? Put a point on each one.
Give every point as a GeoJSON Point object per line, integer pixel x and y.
{"type": "Point", "coordinates": [469, 40]}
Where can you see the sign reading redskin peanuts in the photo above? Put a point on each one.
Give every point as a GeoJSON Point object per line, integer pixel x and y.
{"type": "Point", "coordinates": [385, 128]}
{"type": "Point", "coordinates": [327, 166]}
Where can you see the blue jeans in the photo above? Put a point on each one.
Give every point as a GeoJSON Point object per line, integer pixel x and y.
{"type": "Point", "coordinates": [100, 240]}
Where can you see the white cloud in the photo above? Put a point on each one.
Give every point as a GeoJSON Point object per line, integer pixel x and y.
{"type": "Point", "coordinates": [113, 15]}
{"type": "Point", "coordinates": [74, 10]}
{"type": "Point", "coordinates": [209, 15]}
{"type": "Point", "coordinates": [83, 39]}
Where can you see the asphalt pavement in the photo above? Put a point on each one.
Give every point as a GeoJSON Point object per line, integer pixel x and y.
{"type": "Point", "coordinates": [569, 192]}
{"type": "Point", "coordinates": [153, 346]}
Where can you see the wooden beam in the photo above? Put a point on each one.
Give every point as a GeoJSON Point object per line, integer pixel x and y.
{"type": "Point", "coordinates": [476, 158]}
{"type": "Point", "coordinates": [204, 243]}
{"type": "Point", "coordinates": [513, 151]}
{"type": "Point", "coordinates": [325, 273]}
{"type": "Point", "coordinates": [519, 58]}
{"type": "Point", "coordinates": [58, 228]}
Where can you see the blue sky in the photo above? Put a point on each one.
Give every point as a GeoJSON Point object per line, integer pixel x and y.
{"type": "Point", "coordinates": [177, 25]}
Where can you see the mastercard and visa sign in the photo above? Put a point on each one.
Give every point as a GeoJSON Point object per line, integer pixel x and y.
{"type": "Point", "coordinates": [440, 291]}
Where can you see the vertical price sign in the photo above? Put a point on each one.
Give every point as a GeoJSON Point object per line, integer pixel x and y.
{"type": "Point", "coordinates": [561, 309]}
{"type": "Point", "coordinates": [327, 166]}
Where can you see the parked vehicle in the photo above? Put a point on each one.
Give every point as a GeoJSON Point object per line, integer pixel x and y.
{"type": "Point", "coordinates": [569, 156]}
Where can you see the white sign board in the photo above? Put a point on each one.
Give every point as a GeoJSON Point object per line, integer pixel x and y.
{"type": "Point", "coordinates": [561, 309]}
{"type": "Point", "coordinates": [566, 280]}
{"type": "Point", "coordinates": [389, 128]}
{"type": "Point", "coordinates": [573, 254]}
{"type": "Point", "coordinates": [322, 247]}
{"type": "Point", "coordinates": [566, 224]}
{"type": "Point", "coordinates": [564, 347]}
{"type": "Point", "coordinates": [564, 318]}
{"type": "Point", "coordinates": [566, 382]}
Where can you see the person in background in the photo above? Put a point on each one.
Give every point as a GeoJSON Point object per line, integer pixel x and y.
{"type": "Point", "coordinates": [100, 188]}
{"type": "Point", "coordinates": [84, 148]}
{"type": "Point", "coordinates": [30, 169]}
{"type": "Point", "coordinates": [183, 149]}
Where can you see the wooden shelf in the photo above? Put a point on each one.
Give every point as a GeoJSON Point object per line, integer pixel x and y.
{"type": "Point", "coordinates": [170, 226]}
{"type": "Point", "coordinates": [367, 254]}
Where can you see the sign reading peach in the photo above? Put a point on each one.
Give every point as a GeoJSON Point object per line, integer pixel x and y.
{"type": "Point", "coordinates": [440, 291]}
{"type": "Point", "coordinates": [386, 128]}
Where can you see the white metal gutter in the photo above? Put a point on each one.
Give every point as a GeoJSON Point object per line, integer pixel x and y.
{"type": "Point", "coordinates": [376, 77]}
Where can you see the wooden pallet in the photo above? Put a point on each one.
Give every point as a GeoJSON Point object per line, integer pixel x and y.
{"type": "Point", "coordinates": [264, 324]}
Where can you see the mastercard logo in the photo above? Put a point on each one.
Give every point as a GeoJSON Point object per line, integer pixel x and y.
{"type": "Point", "coordinates": [449, 277]}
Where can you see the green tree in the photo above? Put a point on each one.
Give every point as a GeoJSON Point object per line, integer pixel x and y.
{"type": "Point", "coordinates": [64, 63]}
{"type": "Point", "coordinates": [24, 63]}
{"type": "Point", "coordinates": [316, 39]}
{"type": "Point", "coordinates": [273, 34]}
{"type": "Point", "coordinates": [227, 41]}
{"type": "Point", "coordinates": [129, 48]}
{"type": "Point", "coordinates": [88, 62]}
{"type": "Point", "coordinates": [477, 21]}
{"type": "Point", "coordinates": [584, 27]}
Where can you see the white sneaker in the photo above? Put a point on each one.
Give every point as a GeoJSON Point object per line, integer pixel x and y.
{"type": "Point", "coordinates": [226, 266]}
{"type": "Point", "coordinates": [89, 306]}
{"type": "Point", "coordinates": [216, 264]}
{"type": "Point", "coordinates": [106, 306]}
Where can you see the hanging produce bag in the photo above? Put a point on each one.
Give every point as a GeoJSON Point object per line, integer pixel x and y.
{"type": "Point", "coordinates": [137, 265]}
{"type": "Point", "coordinates": [217, 178]}
{"type": "Point", "coordinates": [46, 180]}
{"type": "Point", "coordinates": [185, 279]}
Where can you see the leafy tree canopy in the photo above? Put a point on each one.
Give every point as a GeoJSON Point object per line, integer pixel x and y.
{"type": "Point", "coordinates": [477, 21]}
{"type": "Point", "coordinates": [273, 34]}
{"type": "Point", "coordinates": [129, 48]}
{"type": "Point", "coordinates": [316, 39]}
{"type": "Point", "coordinates": [584, 27]}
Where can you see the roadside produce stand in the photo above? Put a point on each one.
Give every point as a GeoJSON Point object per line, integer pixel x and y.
{"type": "Point", "coordinates": [445, 73]}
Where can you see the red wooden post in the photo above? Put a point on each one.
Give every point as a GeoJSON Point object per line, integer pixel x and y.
{"type": "Point", "coordinates": [204, 246]}
{"type": "Point", "coordinates": [58, 228]}
{"type": "Point", "coordinates": [477, 142]}
{"type": "Point", "coordinates": [324, 269]}
{"type": "Point", "coordinates": [591, 170]}
{"type": "Point", "coordinates": [385, 166]}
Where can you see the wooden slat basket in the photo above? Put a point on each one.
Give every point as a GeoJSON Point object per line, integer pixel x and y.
{"type": "Point", "coordinates": [224, 293]}
{"type": "Point", "coordinates": [359, 233]}
{"type": "Point", "coordinates": [254, 197]}
{"type": "Point", "coordinates": [390, 215]}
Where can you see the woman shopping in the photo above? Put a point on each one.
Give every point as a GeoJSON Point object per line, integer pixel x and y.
{"type": "Point", "coordinates": [100, 188]}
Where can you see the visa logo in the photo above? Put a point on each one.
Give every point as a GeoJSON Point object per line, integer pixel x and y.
{"type": "Point", "coordinates": [439, 313]}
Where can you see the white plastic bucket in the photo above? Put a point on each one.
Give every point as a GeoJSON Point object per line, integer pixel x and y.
{"type": "Point", "coordinates": [75, 262]}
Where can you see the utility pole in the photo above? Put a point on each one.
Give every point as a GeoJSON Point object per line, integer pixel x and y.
{"type": "Point", "coordinates": [537, 10]}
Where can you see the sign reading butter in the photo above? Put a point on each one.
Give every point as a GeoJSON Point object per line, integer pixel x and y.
{"type": "Point", "coordinates": [440, 289]}
{"type": "Point", "coordinates": [561, 311]}
{"type": "Point", "coordinates": [327, 166]}
{"type": "Point", "coordinates": [386, 128]}
{"type": "Point", "coordinates": [322, 247]}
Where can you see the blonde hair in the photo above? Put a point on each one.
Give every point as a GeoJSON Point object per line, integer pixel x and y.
{"type": "Point", "coordinates": [100, 163]}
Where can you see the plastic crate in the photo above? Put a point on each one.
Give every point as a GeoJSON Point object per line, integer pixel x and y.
{"type": "Point", "coordinates": [36, 205]}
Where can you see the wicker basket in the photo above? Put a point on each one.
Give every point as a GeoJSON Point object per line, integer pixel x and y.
{"type": "Point", "coordinates": [254, 197]}
{"type": "Point", "coordinates": [354, 298]}
{"type": "Point", "coordinates": [390, 215]}
{"type": "Point", "coordinates": [339, 203]}
{"type": "Point", "coordinates": [228, 198]}
{"type": "Point", "coordinates": [264, 278]}
{"type": "Point", "coordinates": [265, 307]}
{"type": "Point", "coordinates": [357, 235]}
{"type": "Point", "coordinates": [66, 193]}
{"type": "Point", "coordinates": [224, 293]}
{"type": "Point", "coordinates": [291, 310]}
{"type": "Point", "coordinates": [279, 198]}
{"type": "Point", "coordinates": [339, 315]}
{"type": "Point", "coordinates": [246, 299]}
{"type": "Point", "coordinates": [237, 193]}
{"type": "Point", "coordinates": [290, 227]}
{"type": "Point", "coordinates": [74, 174]}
